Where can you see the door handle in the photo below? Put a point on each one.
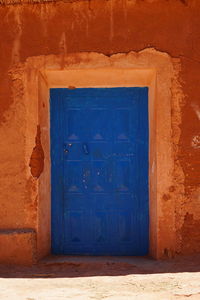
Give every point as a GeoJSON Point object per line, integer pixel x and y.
{"type": "Point", "coordinates": [85, 149]}
{"type": "Point", "coordinates": [67, 145]}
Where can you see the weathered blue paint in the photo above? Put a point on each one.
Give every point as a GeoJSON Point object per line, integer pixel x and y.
{"type": "Point", "coordinates": [99, 171]}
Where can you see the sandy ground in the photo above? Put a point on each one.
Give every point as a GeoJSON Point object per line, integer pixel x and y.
{"type": "Point", "coordinates": [102, 278]}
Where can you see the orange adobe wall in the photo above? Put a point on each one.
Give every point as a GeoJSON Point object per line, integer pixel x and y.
{"type": "Point", "coordinates": [106, 27]}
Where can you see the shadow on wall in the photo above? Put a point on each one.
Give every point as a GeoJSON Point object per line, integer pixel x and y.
{"type": "Point", "coordinates": [71, 267]}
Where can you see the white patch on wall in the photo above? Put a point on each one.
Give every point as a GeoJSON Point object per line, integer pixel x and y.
{"type": "Point", "coordinates": [196, 109]}
{"type": "Point", "coordinates": [196, 142]}
{"type": "Point", "coordinates": [62, 43]}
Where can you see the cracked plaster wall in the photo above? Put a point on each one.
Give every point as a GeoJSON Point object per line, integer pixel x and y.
{"type": "Point", "coordinates": [105, 27]}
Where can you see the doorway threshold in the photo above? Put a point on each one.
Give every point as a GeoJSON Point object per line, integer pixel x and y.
{"type": "Point", "coordinates": [78, 260]}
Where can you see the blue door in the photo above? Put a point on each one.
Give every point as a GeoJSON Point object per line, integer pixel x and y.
{"type": "Point", "coordinates": [99, 171]}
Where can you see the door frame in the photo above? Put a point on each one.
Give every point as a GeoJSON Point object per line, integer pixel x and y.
{"type": "Point", "coordinates": [148, 68]}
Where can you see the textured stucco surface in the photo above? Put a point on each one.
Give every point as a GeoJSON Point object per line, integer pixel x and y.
{"type": "Point", "coordinates": [107, 27]}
